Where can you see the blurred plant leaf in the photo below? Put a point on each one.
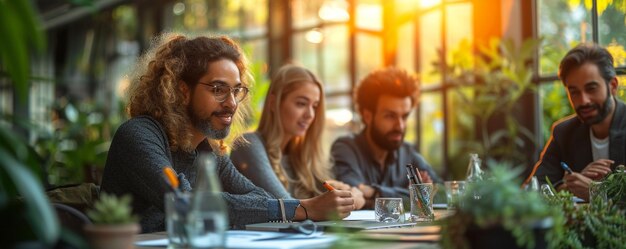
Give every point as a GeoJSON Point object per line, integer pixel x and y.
{"type": "Point", "coordinates": [43, 221]}
{"type": "Point", "coordinates": [21, 32]}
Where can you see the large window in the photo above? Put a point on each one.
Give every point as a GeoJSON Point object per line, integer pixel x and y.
{"type": "Point", "coordinates": [321, 44]}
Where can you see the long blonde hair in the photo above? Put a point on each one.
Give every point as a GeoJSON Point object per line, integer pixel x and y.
{"type": "Point", "coordinates": [306, 156]}
{"type": "Point", "coordinates": [175, 59]}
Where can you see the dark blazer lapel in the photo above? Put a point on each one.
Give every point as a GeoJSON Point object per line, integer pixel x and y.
{"type": "Point", "coordinates": [617, 136]}
{"type": "Point", "coordinates": [581, 144]}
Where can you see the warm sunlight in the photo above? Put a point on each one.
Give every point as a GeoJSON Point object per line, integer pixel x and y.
{"type": "Point", "coordinates": [314, 36]}
{"type": "Point", "coordinates": [369, 16]}
{"type": "Point", "coordinates": [334, 10]}
{"type": "Point", "coordinates": [429, 3]}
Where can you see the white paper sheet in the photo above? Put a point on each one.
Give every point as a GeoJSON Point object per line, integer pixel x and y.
{"type": "Point", "coordinates": [361, 215]}
{"type": "Point", "coordinates": [254, 239]}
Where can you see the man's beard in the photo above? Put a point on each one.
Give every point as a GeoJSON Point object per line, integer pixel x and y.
{"type": "Point", "coordinates": [383, 141]}
{"type": "Point", "coordinates": [603, 111]}
{"type": "Point", "coordinates": [204, 124]}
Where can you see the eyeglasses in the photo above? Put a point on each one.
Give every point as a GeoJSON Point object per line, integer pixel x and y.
{"type": "Point", "coordinates": [221, 92]}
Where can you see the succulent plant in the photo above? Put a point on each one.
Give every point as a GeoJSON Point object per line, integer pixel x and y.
{"type": "Point", "coordinates": [111, 209]}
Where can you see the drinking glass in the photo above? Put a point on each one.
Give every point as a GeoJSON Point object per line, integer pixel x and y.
{"type": "Point", "coordinates": [595, 193]}
{"type": "Point", "coordinates": [389, 210]}
{"type": "Point", "coordinates": [454, 190]}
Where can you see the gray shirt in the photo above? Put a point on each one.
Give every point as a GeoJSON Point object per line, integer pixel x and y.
{"type": "Point", "coordinates": [138, 153]}
{"type": "Point", "coordinates": [252, 161]}
{"type": "Point", "coordinates": [354, 163]}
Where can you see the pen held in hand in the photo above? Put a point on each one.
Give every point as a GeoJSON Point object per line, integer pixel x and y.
{"type": "Point", "coordinates": [328, 186]}
{"type": "Point", "coordinates": [566, 168]}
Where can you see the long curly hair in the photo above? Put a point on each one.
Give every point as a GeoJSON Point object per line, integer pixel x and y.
{"type": "Point", "coordinates": [306, 156]}
{"type": "Point", "coordinates": [172, 60]}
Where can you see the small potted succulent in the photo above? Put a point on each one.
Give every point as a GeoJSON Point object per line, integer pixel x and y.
{"type": "Point", "coordinates": [497, 213]}
{"type": "Point", "coordinates": [114, 225]}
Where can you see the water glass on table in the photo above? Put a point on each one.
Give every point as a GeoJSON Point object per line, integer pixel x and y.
{"type": "Point", "coordinates": [176, 210]}
{"type": "Point", "coordinates": [389, 210]}
{"type": "Point", "coordinates": [454, 190]}
{"type": "Point", "coordinates": [421, 197]}
{"type": "Point", "coordinates": [596, 192]}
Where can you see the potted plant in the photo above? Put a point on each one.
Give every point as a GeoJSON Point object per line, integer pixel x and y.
{"type": "Point", "coordinates": [600, 224]}
{"type": "Point", "coordinates": [497, 213]}
{"type": "Point", "coordinates": [114, 225]}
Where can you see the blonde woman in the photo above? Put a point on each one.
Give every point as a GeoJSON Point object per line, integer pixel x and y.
{"type": "Point", "coordinates": [284, 156]}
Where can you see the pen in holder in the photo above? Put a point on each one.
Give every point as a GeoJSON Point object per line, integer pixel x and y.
{"type": "Point", "coordinates": [421, 199]}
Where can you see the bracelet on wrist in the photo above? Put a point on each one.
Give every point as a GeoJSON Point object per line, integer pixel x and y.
{"type": "Point", "coordinates": [306, 214]}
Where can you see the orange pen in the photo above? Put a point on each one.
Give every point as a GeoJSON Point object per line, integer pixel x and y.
{"type": "Point", "coordinates": [328, 186]}
{"type": "Point", "coordinates": [171, 177]}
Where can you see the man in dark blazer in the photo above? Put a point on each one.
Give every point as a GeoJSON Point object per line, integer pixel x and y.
{"type": "Point", "coordinates": [593, 141]}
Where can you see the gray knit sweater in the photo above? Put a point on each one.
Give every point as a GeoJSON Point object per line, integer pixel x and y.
{"type": "Point", "coordinates": [135, 162]}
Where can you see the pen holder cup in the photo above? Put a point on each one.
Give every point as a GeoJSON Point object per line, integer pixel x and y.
{"type": "Point", "coordinates": [176, 210]}
{"type": "Point", "coordinates": [421, 198]}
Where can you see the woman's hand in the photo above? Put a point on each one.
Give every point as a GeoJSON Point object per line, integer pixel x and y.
{"type": "Point", "coordinates": [336, 204]}
{"type": "Point", "coordinates": [338, 185]}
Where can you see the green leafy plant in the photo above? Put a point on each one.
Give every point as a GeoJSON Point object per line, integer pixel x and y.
{"type": "Point", "coordinates": [499, 202]}
{"type": "Point", "coordinates": [23, 205]}
{"type": "Point", "coordinates": [614, 185]}
{"type": "Point", "coordinates": [597, 225]}
{"type": "Point", "coordinates": [112, 210]}
{"type": "Point", "coordinates": [489, 83]}
{"type": "Point", "coordinates": [75, 150]}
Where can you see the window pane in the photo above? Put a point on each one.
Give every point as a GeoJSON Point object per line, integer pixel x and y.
{"type": "Point", "coordinates": [255, 14]}
{"type": "Point", "coordinates": [555, 106]}
{"type": "Point", "coordinates": [612, 30]}
{"type": "Point", "coordinates": [462, 131]}
{"type": "Point", "coordinates": [227, 13]}
{"type": "Point", "coordinates": [618, 53]}
{"type": "Point", "coordinates": [304, 12]}
{"type": "Point", "coordinates": [406, 47]}
{"type": "Point", "coordinates": [305, 52]}
{"type": "Point", "coordinates": [368, 54]}
{"type": "Point", "coordinates": [430, 40]}
{"type": "Point", "coordinates": [458, 24]}
{"type": "Point", "coordinates": [562, 26]}
{"type": "Point", "coordinates": [335, 47]}
{"type": "Point", "coordinates": [432, 129]}
{"type": "Point", "coordinates": [369, 15]}
{"type": "Point", "coordinates": [338, 119]}
{"type": "Point", "coordinates": [256, 50]}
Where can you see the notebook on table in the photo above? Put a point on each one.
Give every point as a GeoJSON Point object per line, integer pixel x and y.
{"type": "Point", "coordinates": [350, 225]}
